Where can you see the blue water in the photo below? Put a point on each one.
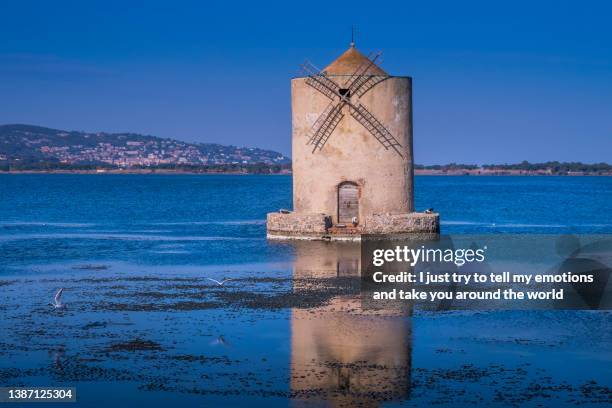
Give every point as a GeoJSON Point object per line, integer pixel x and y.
{"type": "Point", "coordinates": [194, 219]}
{"type": "Point", "coordinates": [518, 204]}
{"type": "Point", "coordinates": [133, 253]}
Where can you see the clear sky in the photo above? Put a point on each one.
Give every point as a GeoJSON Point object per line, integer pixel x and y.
{"type": "Point", "coordinates": [493, 81]}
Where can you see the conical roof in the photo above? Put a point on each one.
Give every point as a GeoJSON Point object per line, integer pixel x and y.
{"type": "Point", "coordinates": [347, 64]}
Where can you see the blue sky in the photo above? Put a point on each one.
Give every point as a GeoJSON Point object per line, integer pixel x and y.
{"type": "Point", "coordinates": [493, 81]}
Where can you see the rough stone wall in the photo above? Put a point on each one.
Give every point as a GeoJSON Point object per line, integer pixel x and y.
{"type": "Point", "coordinates": [397, 223]}
{"type": "Point", "coordinates": [385, 179]}
{"type": "Point", "coordinates": [296, 224]}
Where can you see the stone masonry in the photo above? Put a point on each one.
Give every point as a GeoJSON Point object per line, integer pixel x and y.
{"type": "Point", "coordinates": [312, 226]}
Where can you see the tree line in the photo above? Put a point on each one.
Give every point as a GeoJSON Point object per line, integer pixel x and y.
{"type": "Point", "coordinates": [554, 167]}
{"type": "Point", "coordinates": [256, 168]}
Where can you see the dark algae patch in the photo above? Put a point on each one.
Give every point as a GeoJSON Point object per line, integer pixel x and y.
{"type": "Point", "coordinates": [201, 294]}
{"type": "Point", "coordinates": [174, 338]}
{"type": "Point", "coordinates": [134, 345]}
{"type": "Point", "coordinates": [91, 267]}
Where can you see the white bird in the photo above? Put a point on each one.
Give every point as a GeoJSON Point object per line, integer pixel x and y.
{"type": "Point", "coordinates": [57, 300]}
{"type": "Point", "coordinates": [220, 341]}
{"type": "Point", "coordinates": [220, 283]}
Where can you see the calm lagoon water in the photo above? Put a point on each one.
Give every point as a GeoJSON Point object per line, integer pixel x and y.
{"type": "Point", "coordinates": [143, 324]}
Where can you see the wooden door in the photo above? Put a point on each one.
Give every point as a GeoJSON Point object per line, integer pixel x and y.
{"type": "Point", "coordinates": [348, 202]}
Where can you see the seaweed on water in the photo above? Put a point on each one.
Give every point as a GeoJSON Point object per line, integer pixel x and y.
{"type": "Point", "coordinates": [90, 267]}
{"type": "Point", "coordinates": [135, 345]}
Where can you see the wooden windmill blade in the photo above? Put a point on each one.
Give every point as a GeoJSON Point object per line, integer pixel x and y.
{"type": "Point", "coordinates": [314, 130]}
{"type": "Point", "coordinates": [358, 83]}
{"type": "Point", "coordinates": [320, 82]}
{"type": "Point", "coordinates": [368, 83]}
{"type": "Point", "coordinates": [322, 86]}
{"type": "Point", "coordinates": [309, 68]}
{"type": "Point", "coordinates": [364, 83]}
{"type": "Point", "coordinates": [375, 127]}
{"type": "Point", "coordinates": [360, 69]}
{"type": "Point", "coordinates": [327, 127]}
{"type": "Point", "coordinates": [331, 116]}
{"type": "Point", "coordinates": [359, 72]}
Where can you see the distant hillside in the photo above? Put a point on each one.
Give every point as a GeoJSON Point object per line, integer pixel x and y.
{"type": "Point", "coordinates": [26, 146]}
{"type": "Point", "coordinates": [35, 148]}
{"type": "Point", "coordinates": [523, 168]}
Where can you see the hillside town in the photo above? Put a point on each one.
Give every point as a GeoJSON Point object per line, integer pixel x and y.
{"type": "Point", "coordinates": [23, 144]}
{"type": "Point", "coordinates": [156, 153]}
{"type": "Point", "coordinates": [35, 148]}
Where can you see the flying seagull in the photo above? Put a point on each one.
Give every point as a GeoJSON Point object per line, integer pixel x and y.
{"type": "Point", "coordinates": [221, 283]}
{"type": "Point", "coordinates": [57, 300]}
{"type": "Point", "coordinates": [219, 341]}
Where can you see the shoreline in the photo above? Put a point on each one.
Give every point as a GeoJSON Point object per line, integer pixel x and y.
{"type": "Point", "coordinates": [416, 173]}
{"type": "Point", "coordinates": [151, 172]}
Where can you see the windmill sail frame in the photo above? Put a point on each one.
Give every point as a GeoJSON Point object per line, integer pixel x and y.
{"type": "Point", "coordinates": [358, 83]}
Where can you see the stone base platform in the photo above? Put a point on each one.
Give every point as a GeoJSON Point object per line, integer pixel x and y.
{"type": "Point", "coordinates": [281, 225]}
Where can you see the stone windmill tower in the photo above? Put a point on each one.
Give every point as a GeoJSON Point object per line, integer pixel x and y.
{"type": "Point", "coordinates": [352, 153]}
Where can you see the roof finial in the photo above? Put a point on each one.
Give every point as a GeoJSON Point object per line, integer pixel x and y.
{"type": "Point", "coordinates": [352, 36]}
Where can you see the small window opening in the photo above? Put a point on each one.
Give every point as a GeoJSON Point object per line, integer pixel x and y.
{"type": "Point", "coordinates": [345, 92]}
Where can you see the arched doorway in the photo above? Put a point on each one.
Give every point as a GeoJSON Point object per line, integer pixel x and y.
{"type": "Point", "coordinates": [348, 202]}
